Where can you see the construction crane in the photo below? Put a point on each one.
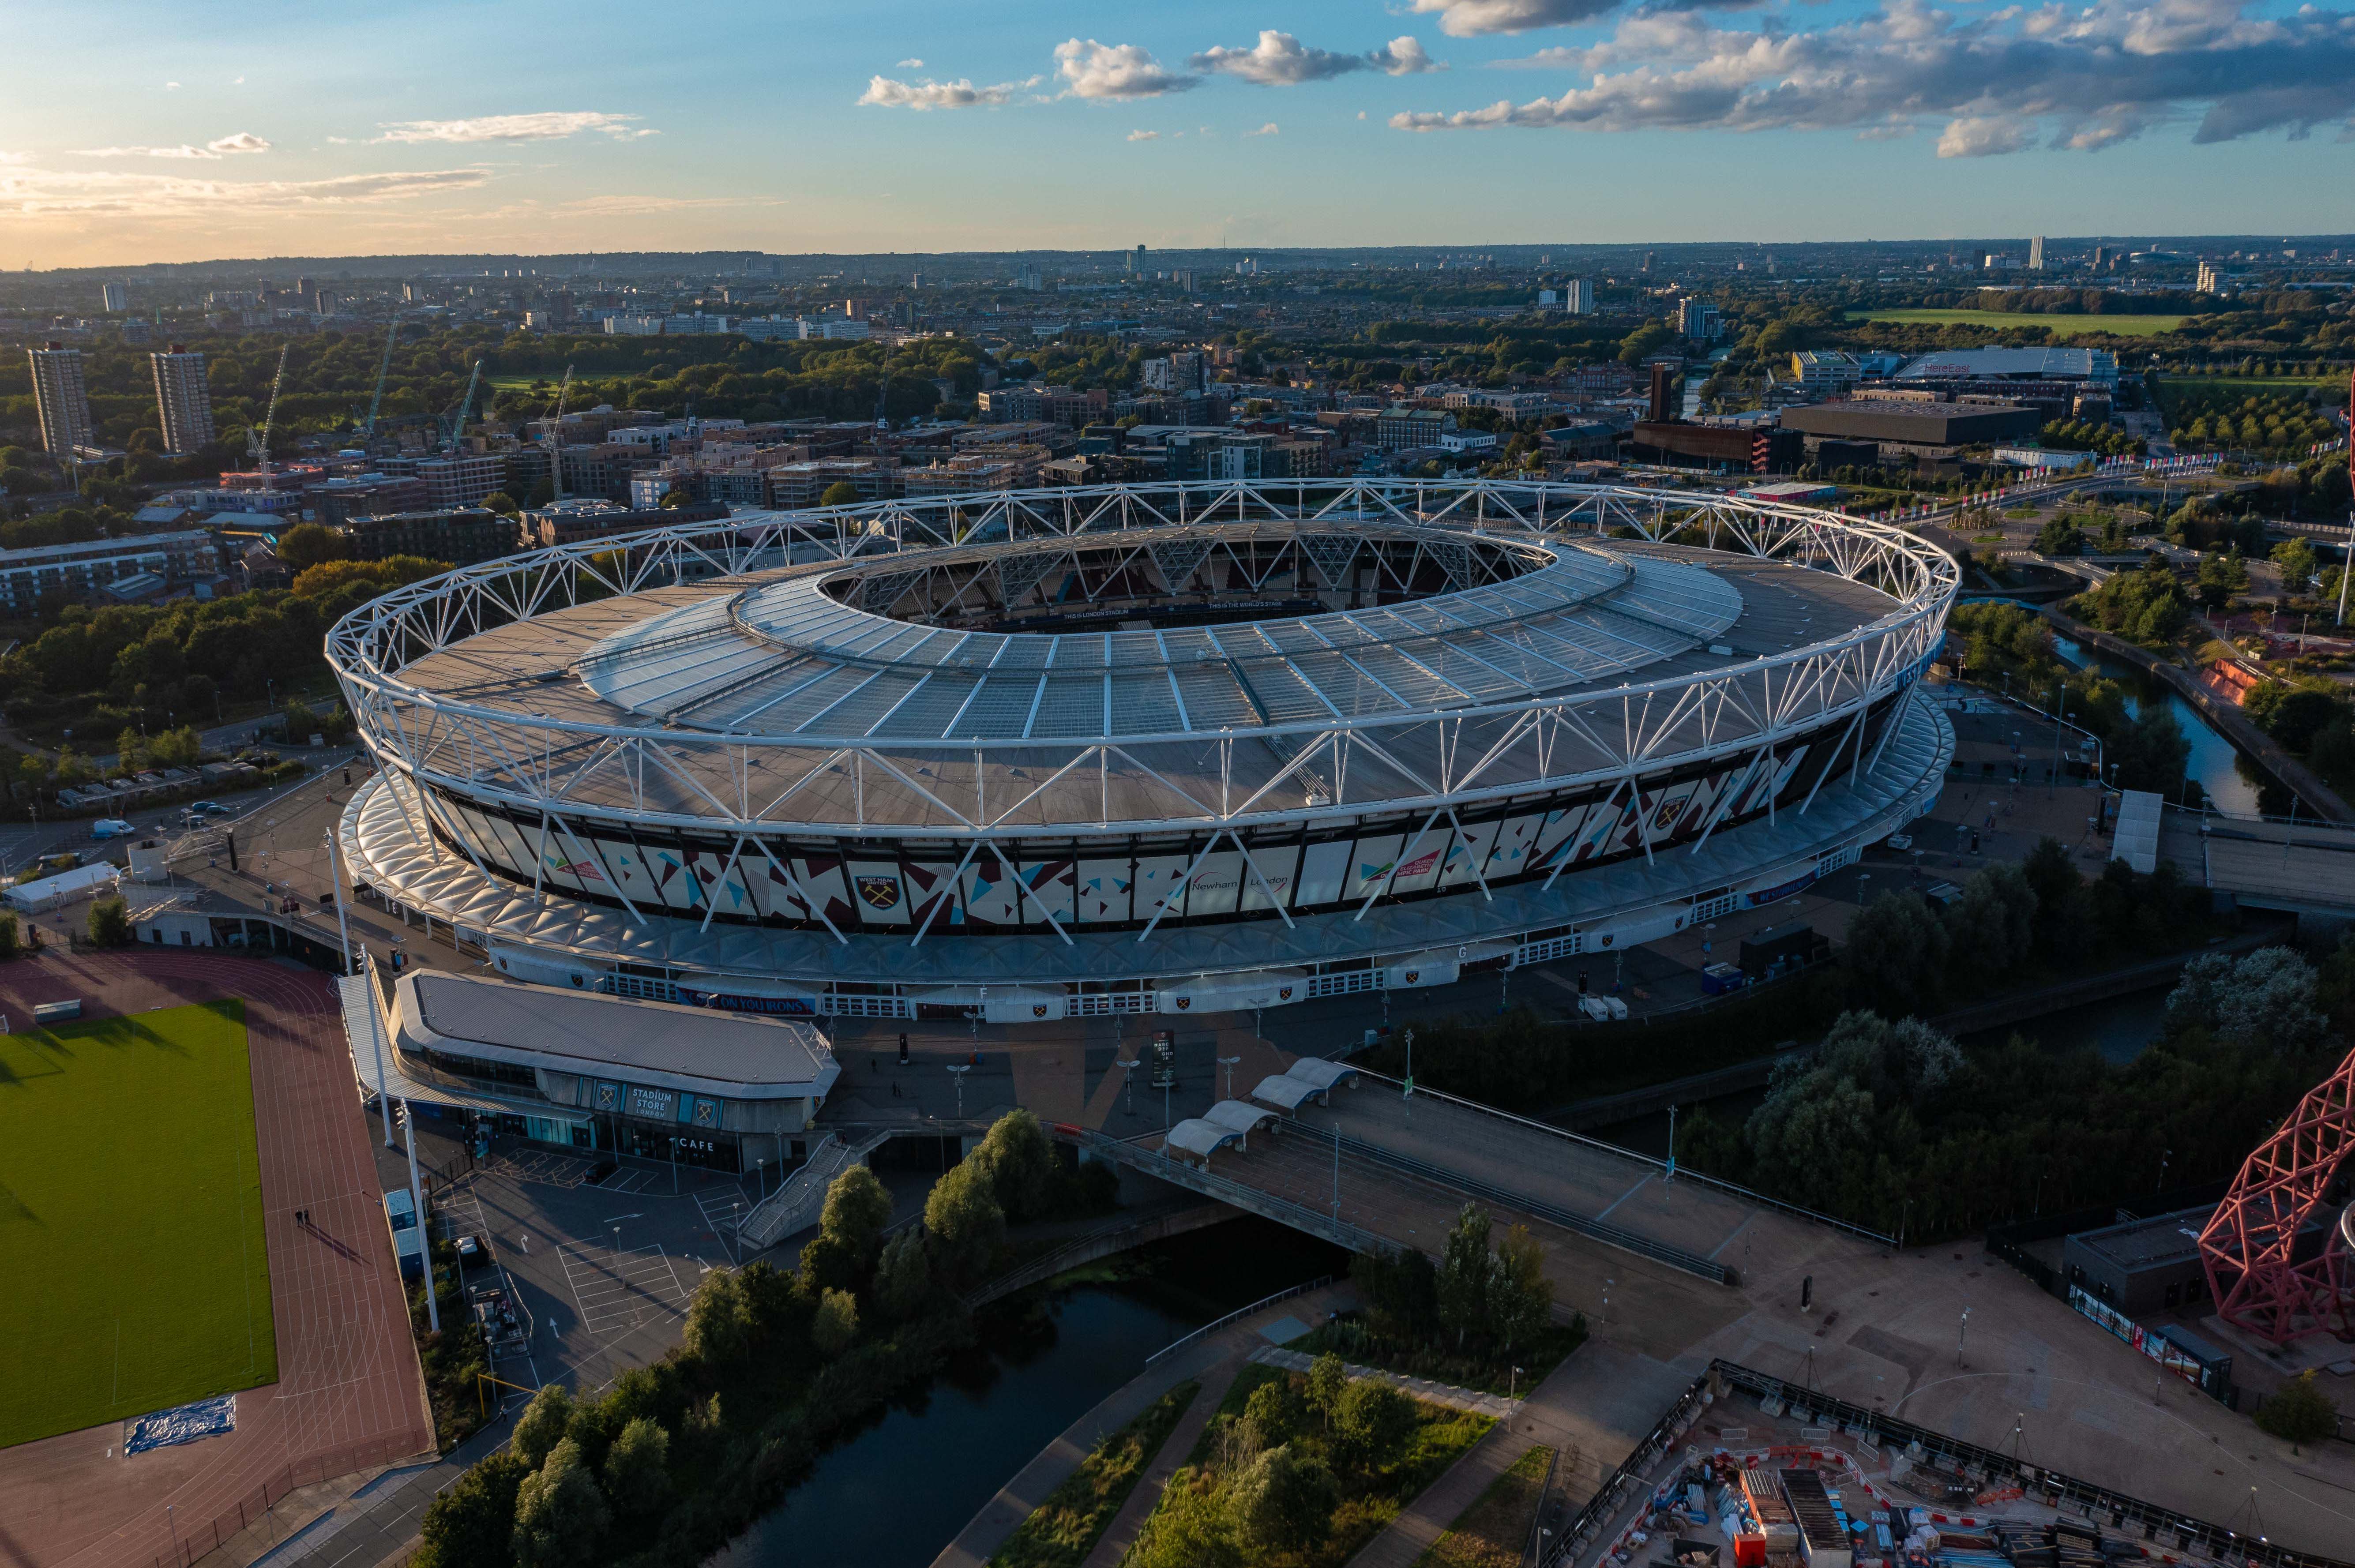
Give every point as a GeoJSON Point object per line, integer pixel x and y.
{"type": "Point", "coordinates": [458, 415]}
{"type": "Point", "coordinates": [555, 438]}
{"type": "Point", "coordinates": [261, 444]}
{"type": "Point", "coordinates": [383, 368]}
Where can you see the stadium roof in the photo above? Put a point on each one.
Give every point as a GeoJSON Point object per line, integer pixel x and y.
{"type": "Point", "coordinates": [2013, 365]}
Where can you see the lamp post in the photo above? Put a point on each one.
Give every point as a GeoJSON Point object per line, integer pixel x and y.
{"type": "Point", "coordinates": [1128, 1066]}
{"type": "Point", "coordinates": [1229, 1063]}
{"type": "Point", "coordinates": [1960, 1335]}
{"type": "Point", "coordinates": [335, 882]}
{"type": "Point", "coordinates": [1672, 1143]}
{"type": "Point", "coordinates": [958, 1072]}
{"type": "Point", "coordinates": [417, 1205]}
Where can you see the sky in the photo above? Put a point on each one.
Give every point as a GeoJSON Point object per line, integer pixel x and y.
{"type": "Point", "coordinates": [172, 133]}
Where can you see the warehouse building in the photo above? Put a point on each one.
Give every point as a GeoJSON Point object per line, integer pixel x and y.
{"type": "Point", "coordinates": [1913, 429]}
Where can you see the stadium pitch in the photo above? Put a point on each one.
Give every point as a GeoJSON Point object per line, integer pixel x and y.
{"type": "Point", "coordinates": [131, 1217]}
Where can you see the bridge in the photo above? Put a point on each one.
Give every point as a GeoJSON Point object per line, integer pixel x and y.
{"type": "Point", "coordinates": [2302, 867]}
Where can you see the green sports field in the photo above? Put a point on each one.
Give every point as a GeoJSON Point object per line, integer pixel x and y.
{"type": "Point", "coordinates": [1997, 320]}
{"type": "Point", "coordinates": [134, 1274]}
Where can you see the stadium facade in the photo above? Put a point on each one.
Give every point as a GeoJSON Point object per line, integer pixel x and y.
{"type": "Point", "coordinates": [1171, 748]}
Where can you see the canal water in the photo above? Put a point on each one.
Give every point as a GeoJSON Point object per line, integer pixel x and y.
{"type": "Point", "coordinates": [899, 1490]}
{"type": "Point", "coordinates": [2215, 765]}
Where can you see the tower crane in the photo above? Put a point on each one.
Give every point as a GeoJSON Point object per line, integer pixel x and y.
{"type": "Point", "coordinates": [261, 444]}
{"type": "Point", "coordinates": [458, 415]}
{"type": "Point", "coordinates": [555, 438]}
{"type": "Point", "coordinates": [383, 368]}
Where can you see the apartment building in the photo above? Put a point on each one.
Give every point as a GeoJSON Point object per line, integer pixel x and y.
{"type": "Point", "coordinates": [61, 399]}
{"type": "Point", "coordinates": [77, 570]}
{"type": "Point", "coordinates": [183, 400]}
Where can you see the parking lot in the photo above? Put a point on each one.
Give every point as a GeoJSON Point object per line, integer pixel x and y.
{"type": "Point", "coordinates": [598, 1274]}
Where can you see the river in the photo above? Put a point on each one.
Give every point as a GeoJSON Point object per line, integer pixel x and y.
{"type": "Point", "coordinates": [2215, 765]}
{"type": "Point", "coordinates": [899, 1490]}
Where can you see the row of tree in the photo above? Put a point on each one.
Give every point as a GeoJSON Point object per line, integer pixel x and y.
{"type": "Point", "coordinates": [1894, 1125]}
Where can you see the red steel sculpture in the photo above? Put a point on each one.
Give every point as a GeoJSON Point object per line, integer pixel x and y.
{"type": "Point", "coordinates": [2252, 1244]}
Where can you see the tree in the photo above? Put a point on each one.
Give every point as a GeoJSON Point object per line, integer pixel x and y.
{"type": "Point", "coordinates": [718, 1330]}
{"type": "Point", "coordinates": [2264, 999]}
{"type": "Point", "coordinates": [1521, 1296]}
{"type": "Point", "coordinates": [637, 1469]}
{"type": "Point", "coordinates": [1021, 1165]}
{"type": "Point", "coordinates": [835, 1324]}
{"type": "Point", "coordinates": [1328, 1380]}
{"type": "Point", "coordinates": [1373, 1423]}
{"type": "Point", "coordinates": [841, 493]}
{"type": "Point", "coordinates": [542, 1426]}
{"type": "Point", "coordinates": [500, 501]}
{"type": "Point", "coordinates": [559, 1513]}
{"type": "Point", "coordinates": [903, 1277]}
{"type": "Point", "coordinates": [8, 943]}
{"type": "Point", "coordinates": [472, 1525]}
{"type": "Point", "coordinates": [1270, 1417]}
{"type": "Point", "coordinates": [1282, 1500]}
{"type": "Point", "coordinates": [1993, 923]}
{"type": "Point", "coordinates": [2297, 560]}
{"type": "Point", "coordinates": [1190, 1530]}
{"type": "Point", "coordinates": [966, 1223]}
{"type": "Point", "coordinates": [1401, 1290]}
{"type": "Point", "coordinates": [1896, 947]}
{"type": "Point", "coordinates": [2150, 751]}
{"type": "Point", "coordinates": [1465, 1269]}
{"type": "Point", "coordinates": [850, 1230]}
{"type": "Point", "coordinates": [110, 923]}
{"type": "Point", "coordinates": [305, 545]}
{"type": "Point", "coordinates": [2300, 1412]}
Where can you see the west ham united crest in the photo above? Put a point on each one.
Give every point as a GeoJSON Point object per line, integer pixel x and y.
{"type": "Point", "coordinates": [881, 892]}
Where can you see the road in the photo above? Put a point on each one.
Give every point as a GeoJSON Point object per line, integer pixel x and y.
{"type": "Point", "coordinates": [20, 841]}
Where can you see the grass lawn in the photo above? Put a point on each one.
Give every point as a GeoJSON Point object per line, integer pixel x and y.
{"type": "Point", "coordinates": [1062, 1530]}
{"type": "Point", "coordinates": [1493, 1530]}
{"type": "Point", "coordinates": [2061, 326]}
{"type": "Point", "coordinates": [130, 1220]}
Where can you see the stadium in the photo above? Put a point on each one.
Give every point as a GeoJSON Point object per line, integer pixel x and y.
{"type": "Point", "coordinates": [1159, 748]}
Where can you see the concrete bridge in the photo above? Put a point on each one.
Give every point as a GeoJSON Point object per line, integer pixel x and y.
{"type": "Point", "coordinates": [2304, 867]}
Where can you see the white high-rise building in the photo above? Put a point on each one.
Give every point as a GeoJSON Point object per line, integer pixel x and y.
{"type": "Point", "coordinates": [114, 297]}
{"type": "Point", "coordinates": [183, 398]}
{"type": "Point", "coordinates": [2036, 254]}
{"type": "Point", "coordinates": [61, 398]}
{"type": "Point", "coordinates": [2207, 281]}
{"type": "Point", "coordinates": [1578, 297]}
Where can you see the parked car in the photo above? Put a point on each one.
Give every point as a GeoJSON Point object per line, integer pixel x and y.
{"type": "Point", "coordinates": [209, 807]}
{"type": "Point", "coordinates": [472, 1252]}
{"type": "Point", "coordinates": [111, 827]}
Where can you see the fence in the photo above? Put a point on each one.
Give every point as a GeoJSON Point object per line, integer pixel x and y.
{"type": "Point", "coordinates": [190, 1542]}
{"type": "Point", "coordinates": [1239, 1314]}
{"type": "Point", "coordinates": [1684, 1173]}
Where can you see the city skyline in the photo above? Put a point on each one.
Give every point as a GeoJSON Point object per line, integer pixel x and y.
{"type": "Point", "coordinates": [1335, 125]}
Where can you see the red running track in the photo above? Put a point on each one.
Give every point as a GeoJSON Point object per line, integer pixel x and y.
{"type": "Point", "coordinates": [350, 1393]}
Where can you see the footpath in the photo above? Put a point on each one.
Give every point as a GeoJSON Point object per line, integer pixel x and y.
{"type": "Point", "coordinates": [1213, 1361]}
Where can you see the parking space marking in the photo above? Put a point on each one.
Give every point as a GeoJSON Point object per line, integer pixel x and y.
{"type": "Point", "coordinates": [616, 1291]}
{"type": "Point", "coordinates": [540, 1165]}
{"type": "Point", "coordinates": [457, 1212]}
{"type": "Point", "coordinates": [629, 1180]}
{"type": "Point", "coordinates": [723, 1207]}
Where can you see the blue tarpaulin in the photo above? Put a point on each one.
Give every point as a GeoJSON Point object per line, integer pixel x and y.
{"type": "Point", "coordinates": [185, 1423]}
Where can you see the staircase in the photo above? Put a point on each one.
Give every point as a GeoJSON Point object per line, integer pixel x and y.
{"type": "Point", "coordinates": [800, 1197]}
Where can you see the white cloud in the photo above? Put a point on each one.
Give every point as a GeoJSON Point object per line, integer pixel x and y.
{"type": "Point", "coordinates": [911, 65]}
{"type": "Point", "coordinates": [1405, 56]}
{"type": "Point", "coordinates": [32, 192]}
{"type": "Point", "coordinates": [1280, 60]}
{"type": "Point", "coordinates": [1985, 136]}
{"type": "Point", "coordinates": [1471, 18]}
{"type": "Point", "coordinates": [1267, 130]}
{"type": "Point", "coordinates": [2085, 79]}
{"type": "Point", "coordinates": [883, 92]}
{"type": "Point", "coordinates": [1144, 135]}
{"type": "Point", "coordinates": [172, 86]}
{"type": "Point", "coordinates": [547, 126]}
{"type": "Point", "coordinates": [1116, 71]}
{"type": "Point", "coordinates": [237, 81]}
{"type": "Point", "coordinates": [219, 148]}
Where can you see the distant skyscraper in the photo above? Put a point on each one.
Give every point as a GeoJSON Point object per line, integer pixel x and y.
{"type": "Point", "coordinates": [2036, 254]}
{"type": "Point", "coordinates": [1136, 262]}
{"type": "Point", "coordinates": [61, 398]}
{"type": "Point", "coordinates": [183, 400]}
{"type": "Point", "coordinates": [2208, 280]}
{"type": "Point", "coordinates": [114, 296]}
{"type": "Point", "coordinates": [1578, 297]}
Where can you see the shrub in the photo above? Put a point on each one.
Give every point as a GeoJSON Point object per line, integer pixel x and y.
{"type": "Point", "coordinates": [110, 923]}
{"type": "Point", "coordinates": [471, 1525]}
{"type": "Point", "coordinates": [836, 1323]}
{"type": "Point", "coordinates": [2300, 1412]}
